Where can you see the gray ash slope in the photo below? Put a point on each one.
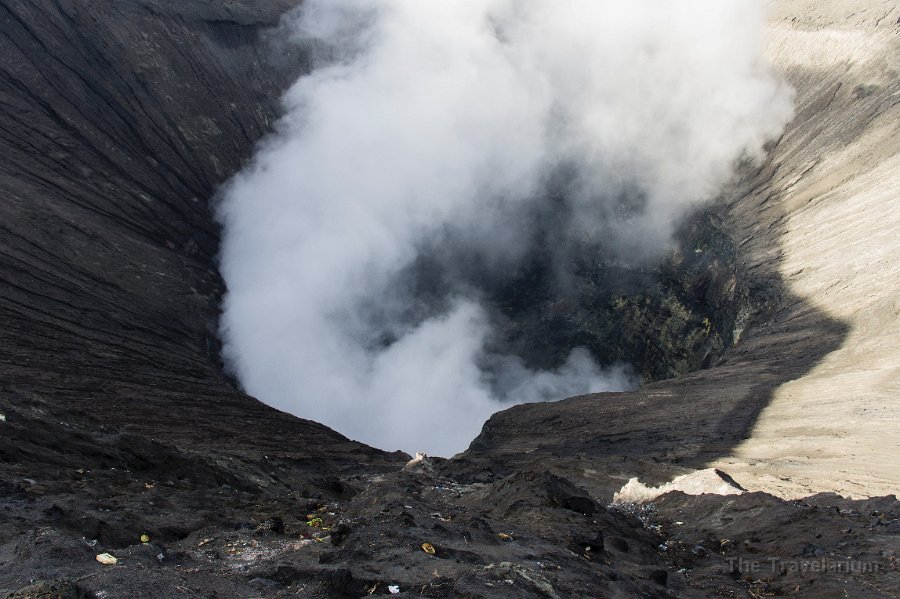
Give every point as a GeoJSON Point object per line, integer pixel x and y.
{"type": "Point", "coordinates": [119, 119]}
{"type": "Point", "coordinates": [119, 122]}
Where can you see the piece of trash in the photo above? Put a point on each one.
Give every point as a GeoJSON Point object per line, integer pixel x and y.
{"type": "Point", "coordinates": [420, 457]}
{"type": "Point", "coordinates": [315, 522]}
{"type": "Point", "coordinates": [393, 589]}
{"type": "Point", "coordinates": [504, 537]}
{"type": "Point", "coordinates": [2, 417]}
{"type": "Point", "coordinates": [203, 542]}
{"type": "Point", "coordinates": [107, 560]}
{"type": "Point", "coordinates": [160, 556]}
{"type": "Point", "coordinates": [145, 538]}
{"type": "Point", "coordinates": [428, 548]}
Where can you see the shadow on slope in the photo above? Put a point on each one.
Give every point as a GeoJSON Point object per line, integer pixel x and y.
{"type": "Point", "coordinates": [687, 423]}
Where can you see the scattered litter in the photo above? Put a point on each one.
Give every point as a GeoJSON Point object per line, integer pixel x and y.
{"type": "Point", "coordinates": [504, 537]}
{"type": "Point", "coordinates": [393, 589]}
{"type": "Point", "coordinates": [2, 417]}
{"type": "Point", "coordinates": [145, 538]}
{"type": "Point", "coordinates": [420, 457]}
{"type": "Point", "coordinates": [107, 560]}
{"type": "Point", "coordinates": [160, 556]}
{"type": "Point", "coordinates": [91, 543]}
{"type": "Point", "coordinates": [243, 554]}
{"type": "Point", "coordinates": [203, 542]}
{"type": "Point", "coordinates": [428, 548]}
{"type": "Point", "coordinates": [507, 570]}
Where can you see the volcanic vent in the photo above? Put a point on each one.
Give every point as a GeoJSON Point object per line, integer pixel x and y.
{"type": "Point", "coordinates": [472, 205]}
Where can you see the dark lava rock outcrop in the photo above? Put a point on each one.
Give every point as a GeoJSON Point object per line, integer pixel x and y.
{"type": "Point", "coordinates": [120, 435]}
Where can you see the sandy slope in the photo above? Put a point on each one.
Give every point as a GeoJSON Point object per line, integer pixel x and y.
{"type": "Point", "coordinates": [832, 207]}
{"type": "Point", "coordinates": [807, 401]}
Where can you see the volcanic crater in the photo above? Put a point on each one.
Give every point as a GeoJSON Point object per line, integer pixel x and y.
{"type": "Point", "coordinates": [766, 340]}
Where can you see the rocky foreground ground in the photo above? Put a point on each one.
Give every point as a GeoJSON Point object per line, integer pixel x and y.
{"type": "Point", "coordinates": [175, 524]}
{"type": "Point", "coordinates": [120, 437]}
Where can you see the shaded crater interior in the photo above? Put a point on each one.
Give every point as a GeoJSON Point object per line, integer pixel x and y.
{"type": "Point", "coordinates": [665, 316]}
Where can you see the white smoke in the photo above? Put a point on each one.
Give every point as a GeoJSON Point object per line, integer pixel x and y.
{"type": "Point", "coordinates": [439, 119]}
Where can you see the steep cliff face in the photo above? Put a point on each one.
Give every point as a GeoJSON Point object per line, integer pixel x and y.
{"type": "Point", "coordinates": [117, 122]}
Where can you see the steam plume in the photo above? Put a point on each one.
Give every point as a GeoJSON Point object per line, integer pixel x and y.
{"type": "Point", "coordinates": [456, 133]}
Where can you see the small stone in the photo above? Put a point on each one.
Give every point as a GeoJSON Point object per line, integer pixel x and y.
{"type": "Point", "coordinates": [107, 559]}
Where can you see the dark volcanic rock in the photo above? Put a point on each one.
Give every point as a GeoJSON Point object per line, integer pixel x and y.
{"type": "Point", "coordinates": [51, 590]}
{"type": "Point", "coordinates": [664, 319]}
{"type": "Point", "coordinates": [119, 121]}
